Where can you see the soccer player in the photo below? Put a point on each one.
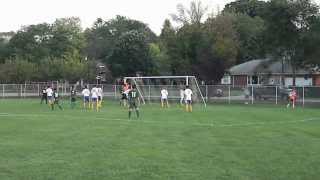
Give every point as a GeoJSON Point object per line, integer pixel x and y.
{"type": "Point", "coordinates": [44, 96]}
{"type": "Point", "coordinates": [133, 99]}
{"type": "Point", "coordinates": [50, 95]}
{"type": "Point", "coordinates": [182, 98]}
{"type": "Point", "coordinates": [164, 98]}
{"type": "Point", "coordinates": [73, 96]}
{"type": "Point", "coordinates": [292, 98]}
{"type": "Point", "coordinates": [94, 98]}
{"type": "Point", "coordinates": [86, 97]}
{"type": "Point", "coordinates": [100, 95]}
{"type": "Point", "coordinates": [55, 99]}
{"type": "Point", "coordinates": [125, 91]}
{"type": "Point", "coordinates": [188, 95]}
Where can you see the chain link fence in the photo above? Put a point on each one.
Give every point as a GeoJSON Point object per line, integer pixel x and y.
{"type": "Point", "coordinates": [224, 94]}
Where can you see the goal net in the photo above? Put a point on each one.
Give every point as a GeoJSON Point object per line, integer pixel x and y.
{"type": "Point", "coordinates": [150, 87]}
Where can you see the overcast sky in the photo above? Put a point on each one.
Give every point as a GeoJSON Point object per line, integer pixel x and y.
{"type": "Point", "coordinates": [15, 13]}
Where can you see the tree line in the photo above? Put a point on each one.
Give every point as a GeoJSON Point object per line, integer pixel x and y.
{"type": "Point", "coordinates": [200, 43]}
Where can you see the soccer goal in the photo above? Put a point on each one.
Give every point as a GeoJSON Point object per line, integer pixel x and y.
{"type": "Point", "coordinates": [149, 87]}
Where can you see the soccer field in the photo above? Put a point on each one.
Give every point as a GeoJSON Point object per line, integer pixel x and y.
{"type": "Point", "coordinates": [219, 142]}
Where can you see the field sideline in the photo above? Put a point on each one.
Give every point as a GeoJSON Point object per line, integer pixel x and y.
{"type": "Point", "coordinates": [219, 142]}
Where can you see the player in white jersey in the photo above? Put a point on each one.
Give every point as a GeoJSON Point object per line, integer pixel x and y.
{"type": "Point", "coordinates": [86, 97]}
{"type": "Point", "coordinates": [94, 98]}
{"type": "Point", "coordinates": [50, 95]}
{"type": "Point", "coordinates": [100, 95]}
{"type": "Point", "coordinates": [188, 95]}
{"type": "Point", "coordinates": [164, 98]}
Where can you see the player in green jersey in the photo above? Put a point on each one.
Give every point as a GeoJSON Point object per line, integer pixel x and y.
{"type": "Point", "coordinates": [56, 98]}
{"type": "Point", "coordinates": [73, 96]}
{"type": "Point", "coordinates": [133, 99]}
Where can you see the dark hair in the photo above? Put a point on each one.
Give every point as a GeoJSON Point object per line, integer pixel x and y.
{"type": "Point", "coordinates": [133, 86]}
{"type": "Point", "coordinates": [187, 86]}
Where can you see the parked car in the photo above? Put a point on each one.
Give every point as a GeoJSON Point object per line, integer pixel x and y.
{"type": "Point", "coordinates": [269, 92]}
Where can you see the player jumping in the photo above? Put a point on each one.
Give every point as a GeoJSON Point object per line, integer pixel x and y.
{"type": "Point", "coordinates": [125, 91]}
{"type": "Point", "coordinates": [133, 100]}
{"type": "Point", "coordinates": [188, 96]}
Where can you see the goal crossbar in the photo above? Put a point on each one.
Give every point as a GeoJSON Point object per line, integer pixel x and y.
{"type": "Point", "coordinates": [158, 77]}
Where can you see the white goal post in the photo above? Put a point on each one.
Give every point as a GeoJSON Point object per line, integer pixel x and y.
{"type": "Point", "coordinates": [149, 86]}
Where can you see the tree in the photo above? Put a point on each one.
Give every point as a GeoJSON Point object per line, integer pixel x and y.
{"type": "Point", "coordinates": [169, 53]}
{"type": "Point", "coordinates": [250, 37]}
{"type": "Point", "coordinates": [102, 37]}
{"type": "Point", "coordinates": [287, 24]}
{"type": "Point", "coordinates": [311, 46]}
{"type": "Point", "coordinates": [31, 42]}
{"type": "Point", "coordinates": [194, 15]}
{"type": "Point", "coordinates": [131, 55]}
{"type": "Point", "coordinates": [4, 50]}
{"type": "Point", "coordinates": [224, 44]}
{"type": "Point", "coordinates": [251, 8]}
{"type": "Point", "coordinates": [67, 36]}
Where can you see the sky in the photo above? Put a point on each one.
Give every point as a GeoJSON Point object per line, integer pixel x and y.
{"type": "Point", "coordinates": [17, 13]}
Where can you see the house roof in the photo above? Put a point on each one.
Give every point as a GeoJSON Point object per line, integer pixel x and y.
{"type": "Point", "coordinates": [264, 66]}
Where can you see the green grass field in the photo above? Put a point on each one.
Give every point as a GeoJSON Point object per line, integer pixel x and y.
{"type": "Point", "coordinates": [220, 142]}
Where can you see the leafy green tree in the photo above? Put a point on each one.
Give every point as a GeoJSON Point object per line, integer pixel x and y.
{"type": "Point", "coordinates": [17, 71]}
{"type": "Point", "coordinates": [31, 42]}
{"type": "Point", "coordinates": [103, 36]}
{"type": "Point", "coordinates": [311, 40]}
{"type": "Point", "coordinates": [251, 8]}
{"type": "Point", "coordinates": [131, 55]}
{"type": "Point", "coordinates": [250, 37]}
{"type": "Point", "coordinates": [171, 59]}
{"type": "Point", "coordinates": [287, 24]}
{"type": "Point", "coordinates": [4, 50]}
{"type": "Point", "coordinates": [67, 37]}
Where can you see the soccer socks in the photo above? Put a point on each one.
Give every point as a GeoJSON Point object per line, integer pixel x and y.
{"type": "Point", "coordinates": [137, 113]}
{"type": "Point", "coordinates": [188, 108]}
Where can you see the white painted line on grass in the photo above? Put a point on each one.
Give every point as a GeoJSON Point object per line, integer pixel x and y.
{"type": "Point", "coordinates": [130, 121]}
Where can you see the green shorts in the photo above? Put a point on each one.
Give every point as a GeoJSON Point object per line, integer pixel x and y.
{"type": "Point", "coordinates": [133, 104]}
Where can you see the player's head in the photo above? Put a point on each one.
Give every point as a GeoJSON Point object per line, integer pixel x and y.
{"type": "Point", "coordinates": [85, 87]}
{"type": "Point", "coordinates": [134, 86]}
{"type": "Point", "coordinates": [187, 86]}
